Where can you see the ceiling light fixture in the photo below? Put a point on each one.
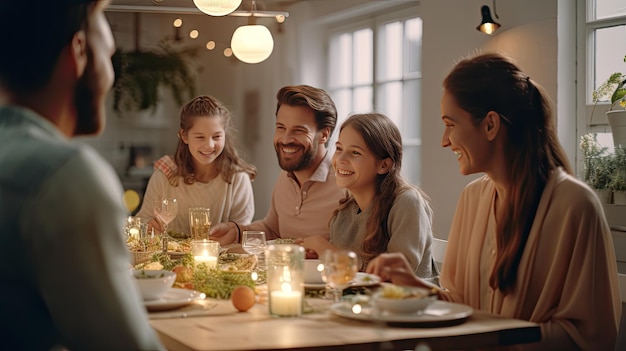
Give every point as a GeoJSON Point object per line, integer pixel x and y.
{"type": "Point", "coordinates": [488, 25]}
{"type": "Point", "coordinates": [252, 43]}
{"type": "Point", "coordinates": [217, 7]}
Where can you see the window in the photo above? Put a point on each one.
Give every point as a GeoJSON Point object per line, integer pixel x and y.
{"type": "Point", "coordinates": [605, 35]}
{"type": "Point", "coordinates": [375, 65]}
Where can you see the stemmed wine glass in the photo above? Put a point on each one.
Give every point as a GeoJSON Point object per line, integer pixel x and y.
{"type": "Point", "coordinates": [254, 243]}
{"type": "Point", "coordinates": [340, 268]}
{"type": "Point", "coordinates": [165, 210]}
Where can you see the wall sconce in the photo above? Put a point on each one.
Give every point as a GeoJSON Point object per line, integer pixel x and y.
{"type": "Point", "coordinates": [217, 7]}
{"type": "Point", "coordinates": [488, 25]}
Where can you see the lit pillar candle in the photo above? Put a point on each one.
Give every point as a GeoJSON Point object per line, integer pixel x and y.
{"type": "Point", "coordinates": [286, 302]}
{"type": "Point", "coordinates": [205, 252]}
{"type": "Point", "coordinates": [210, 261]}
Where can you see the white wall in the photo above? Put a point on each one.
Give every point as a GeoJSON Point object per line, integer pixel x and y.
{"type": "Point", "coordinates": [528, 33]}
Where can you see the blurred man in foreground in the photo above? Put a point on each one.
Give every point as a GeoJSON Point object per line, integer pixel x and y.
{"type": "Point", "coordinates": [64, 280]}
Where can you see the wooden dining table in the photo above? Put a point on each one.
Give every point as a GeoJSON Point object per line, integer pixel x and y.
{"type": "Point", "coordinates": [210, 325]}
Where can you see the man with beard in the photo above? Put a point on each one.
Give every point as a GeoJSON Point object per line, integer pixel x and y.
{"type": "Point", "coordinates": [305, 194]}
{"type": "Point", "coordinates": [64, 280]}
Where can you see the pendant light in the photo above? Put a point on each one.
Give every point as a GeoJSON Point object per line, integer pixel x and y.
{"type": "Point", "coordinates": [488, 25]}
{"type": "Point", "coordinates": [252, 43]}
{"type": "Point", "coordinates": [217, 7]}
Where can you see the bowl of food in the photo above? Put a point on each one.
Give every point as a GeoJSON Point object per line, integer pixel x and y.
{"type": "Point", "coordinates": [403, 300]}
{"type": "Point", "coordinates": [153, 283]}
{"type": "Point", "coordinates": [313, 271]}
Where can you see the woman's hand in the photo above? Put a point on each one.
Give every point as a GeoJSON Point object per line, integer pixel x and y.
{"type": "Point", "coordinates": [154, 224]}
{"type": "Point", "coordinates": [315, 245]}
{"type": "Point", "coordinates": [394, 267]}
{"type": "Point", "coordinates": [226, 233]}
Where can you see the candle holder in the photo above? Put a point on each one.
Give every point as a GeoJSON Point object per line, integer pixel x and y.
{"type": "Point", "coordinates": [284, 264]}
{"type": "Point", "coordinates": [133, 228]}
{"type": "Point", "coordinates": [205, 252]}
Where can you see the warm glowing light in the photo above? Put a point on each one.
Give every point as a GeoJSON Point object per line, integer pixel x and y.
{"type": "Point", "coordinates": [228, 52]}
{"type": "Point", "coordinates": [178, 23]}
{"type": "Point", "coordinates": [252, 43]}
{"type": "Point", "coordinates": [280, 18]}
{"type": "Point", "coordinates": [217, 7]}
{"type": "Point", "coordinates": [210, 45]}
{"type": "Point", "coordinates": [193, 34]}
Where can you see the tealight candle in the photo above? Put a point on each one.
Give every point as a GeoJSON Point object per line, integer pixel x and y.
{"type": "Point", "coordinates": [205, 252]}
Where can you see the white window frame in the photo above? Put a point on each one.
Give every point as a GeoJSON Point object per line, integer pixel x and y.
{"type": "Point", "coordinates": [594, 118]}
{"type": "Point", "coordinates": [374, 21]}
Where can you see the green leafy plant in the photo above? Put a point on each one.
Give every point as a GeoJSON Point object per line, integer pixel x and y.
{"type": "Point", "coordinates": [140, 73]}
{"type": "Point", "coordinates": [613, 90]}
{"type": "Point", "coordinates": [597, 167]}
{"type": "Point", "coordinates": [618, 178]}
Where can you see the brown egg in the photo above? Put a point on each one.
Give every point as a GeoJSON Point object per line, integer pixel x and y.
{"type": "Point", "coordinates": [243, 298]}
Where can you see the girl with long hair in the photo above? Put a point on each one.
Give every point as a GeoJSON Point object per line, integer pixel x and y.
{"type": "Point", "coordinates": [382, 212]}
{"type": "Point", "coordinates": [206, 170]}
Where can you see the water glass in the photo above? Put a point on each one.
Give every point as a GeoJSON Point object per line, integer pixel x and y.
{"type": "Point", "coordinates": [199, 222]}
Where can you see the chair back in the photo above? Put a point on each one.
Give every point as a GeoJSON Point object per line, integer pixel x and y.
{"type": "Point", "coordinates": [438, 250]}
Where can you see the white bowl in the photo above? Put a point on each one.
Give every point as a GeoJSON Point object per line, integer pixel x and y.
{"type": "Point", "coordinates": [416, 302]}
{"type": "Point", "coordinates": [313, 271]}
{"type": "Point", "coordinates": [153, 283]}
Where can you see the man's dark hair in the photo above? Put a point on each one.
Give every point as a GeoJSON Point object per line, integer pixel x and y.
{"type": "Point", "coordinates": [33, 34]}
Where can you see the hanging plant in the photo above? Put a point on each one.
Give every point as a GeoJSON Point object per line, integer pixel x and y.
{"type": "Point", "coordinates": [139, 74]}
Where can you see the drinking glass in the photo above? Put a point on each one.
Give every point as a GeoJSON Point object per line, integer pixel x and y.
{"type": "Point", "coordinates": [200, 222]}
{"type": "Point", "coordinates": [165, 210]}
{"type": "Point", "coordinates": [340, 268]}
{"type": "Point", "coordinates": [253, 242]}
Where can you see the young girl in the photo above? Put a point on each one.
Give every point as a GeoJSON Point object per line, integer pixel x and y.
{"type": "Point", "coordinates": [205, 171]}
{"type": "Point", "coordinates": [382, 212]}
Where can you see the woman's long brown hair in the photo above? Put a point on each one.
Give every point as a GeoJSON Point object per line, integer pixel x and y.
{"type": "Point", "coordinates": [492, 82]}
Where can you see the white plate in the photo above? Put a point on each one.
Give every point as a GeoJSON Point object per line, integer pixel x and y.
{"type": "Point", "coordinates": [436, 312]}
{"type": "Point", "coordinates": [361, 280]}
{"type": "Point", "coordinates": [365, 279]}
{"type": "Point", "coordinates": [174, 298]}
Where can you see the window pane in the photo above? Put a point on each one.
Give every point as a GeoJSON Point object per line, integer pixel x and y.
{"type": "Point", "coordinates": [609, 8]}
{"type": "Point", "coordinates": [343, 103]}
{"type": "Point", "coordinates": [389, 102]}
{"type": "Point", "coordinates": [609, 55]}
{"type": "Point", "coordinates": [340, 57]}
{"type": "Point", "coordinates": [411, 161]}
{"type": "Point", "coordinates": [413, 34]}
{"type": "Point", "coordinates": [411, 117]}
{"type": "Point", "coordinates": [362, 100]}
{"type": "Point", "coordinates": [390, 46]}
{"type": "Point", "coordinates": [363, 56]}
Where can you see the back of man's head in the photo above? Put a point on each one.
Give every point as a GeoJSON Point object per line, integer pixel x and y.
{"type": "Point", "coordinates": [33, 34]}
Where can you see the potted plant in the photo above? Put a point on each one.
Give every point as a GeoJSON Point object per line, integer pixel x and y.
{"type": "Point", "coordinates": [597, 167]}
{"type": "Point", "coordinates": [142, 74]}
{"type": "Point", "coordinates": [614, 91]}
{"type": "Point", "coordinates": [618, 179]}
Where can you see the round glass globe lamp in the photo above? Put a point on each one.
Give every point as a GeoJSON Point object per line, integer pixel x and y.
{"type": "Point", "coordinates": [252, 43]}
{"type": "Point", "coordinates": [217, 7]}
